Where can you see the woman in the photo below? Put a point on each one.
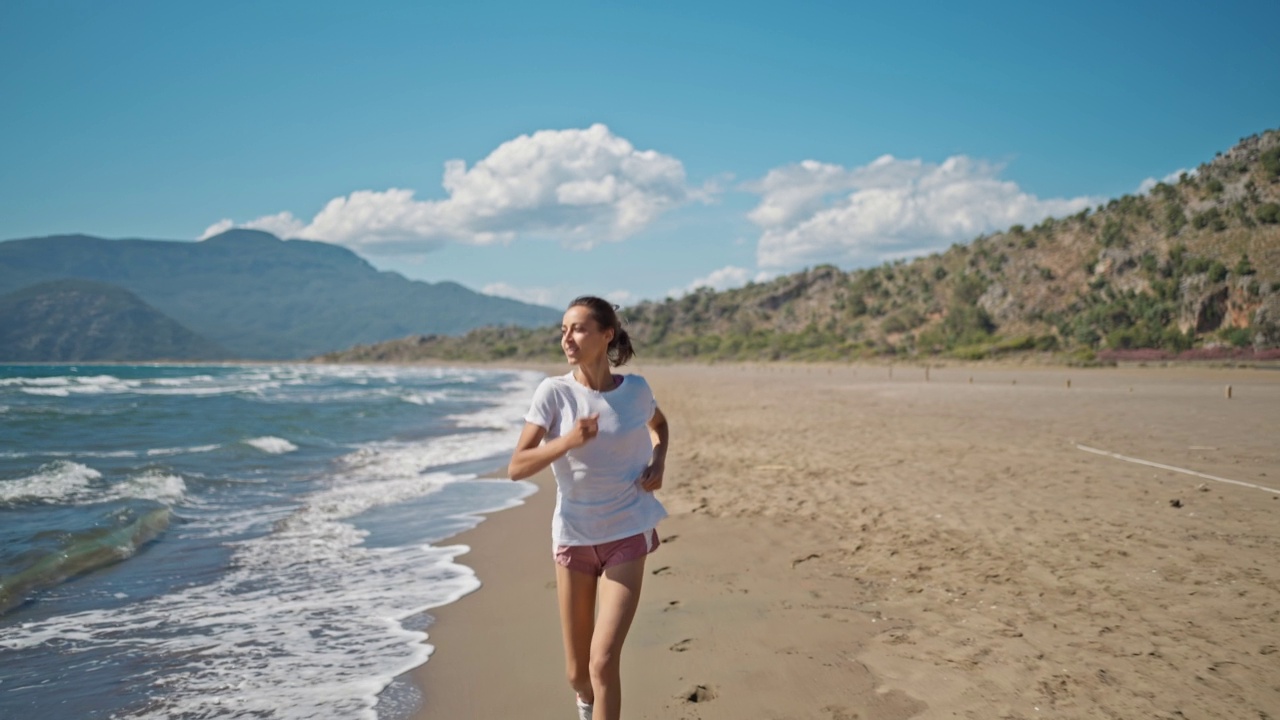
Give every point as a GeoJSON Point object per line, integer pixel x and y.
{"type": "Point", "coordinates": [606, 442]}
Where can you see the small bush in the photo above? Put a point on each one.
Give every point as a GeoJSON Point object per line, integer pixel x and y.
{"type": "Point", "coordinates": [970, 352]}
{"type": "Point", "coordinates": [1217, 272]}
{"type": "Point", "coordinates": [1239, 337]}
{"type": "Point", "coordinates": [1268, 213]}
{"type": "Point", "coordinates": [1113, 234]}
{"type": "Point", "coordinates": [1211, 219]}
{"type": "Point", "coordinates": [1271, 163]}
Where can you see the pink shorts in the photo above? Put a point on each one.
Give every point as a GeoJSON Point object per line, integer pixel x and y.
{"type": "Point", "coordinates": [594, 559]}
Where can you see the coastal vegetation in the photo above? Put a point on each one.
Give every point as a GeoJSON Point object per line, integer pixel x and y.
{"type": "Point", "coordinates": [1191, 266]}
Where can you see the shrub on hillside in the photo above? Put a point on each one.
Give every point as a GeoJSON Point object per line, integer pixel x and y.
{"type": "Point", "coordinates": [1211, 219]}
{"type": "Point", "coordinates": [1268, 213]}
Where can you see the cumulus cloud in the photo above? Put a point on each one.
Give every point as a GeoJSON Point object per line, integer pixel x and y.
{"type": "Point", "coordinates": [582, 187]}
{"type": "Point", "coordinates": [620, 297]}
{"type": "Point", "coordinates": [558, 296]}
{"type": "Point", "coordinates": [814, 212]}
{"type": "Point", "coordinates": [536, 295]}
{"type": "Point", "coordinates": [729, 276]}
{"type": "Point", "coordinates": [1171, 179]}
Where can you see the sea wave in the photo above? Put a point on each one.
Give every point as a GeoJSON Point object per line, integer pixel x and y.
{"type": "Point", "coordinates": [271, 445]}
{"type": "Point", "coordinates": [55, 481]}
{"type": "Point", "coordinates": [156, 452]}
{"type": "Point", "coordinates": [151, 485]}
{"type": "Point", "coordinates": [64, 481]}
{"type": "Point", "coordinates": [82, 553]}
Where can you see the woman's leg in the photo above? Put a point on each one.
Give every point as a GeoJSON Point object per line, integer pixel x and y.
{"type": "Point", "coordinates": [577, 593]}
{"type": "Point", "coordinates": [619, 592]}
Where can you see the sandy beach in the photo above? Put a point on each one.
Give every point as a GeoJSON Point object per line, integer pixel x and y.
{"type": "Point", "coordinates": [871, 543]}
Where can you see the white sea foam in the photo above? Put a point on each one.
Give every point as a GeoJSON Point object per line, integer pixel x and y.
{"type": "Point", "coordinates": [151, 485]}
{"type": "Point", "coordinates": [37, 382]}
{"type": "Point", "coordinates": [76, 385]}
{"type": "Point", "coordinates": [271, 445]}
{"type": "Point", "coordinates": [47, 391]}
{"type": "Point", "coordinates": [58, 480]}
{"type": "Point", "coordinates": [182, 381]}
{"type": "Point", "coordinates": [157, 452]}
{"type": "Point", "coordinates": [71, 454]}
{"type": "Point", "coordinates": [424, 398]}
{"type": "Point", "coordinates": [64, 482]}
{"type": "Point", "coordinates": [510, 408]}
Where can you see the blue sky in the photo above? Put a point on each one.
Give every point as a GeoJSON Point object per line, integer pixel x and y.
{"type": "Point", "coordinates": [543, 150]}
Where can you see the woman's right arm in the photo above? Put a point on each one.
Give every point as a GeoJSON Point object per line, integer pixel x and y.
{"type": "Point", "coordinates": [532, 455]}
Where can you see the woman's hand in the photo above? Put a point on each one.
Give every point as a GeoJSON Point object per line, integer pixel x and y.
{"type": "Point", "coordinates": [651, 478]}
{"type": "Point", "coordinates": [531, 455]}
{"type": "Point", "coordinates": [583, 431]}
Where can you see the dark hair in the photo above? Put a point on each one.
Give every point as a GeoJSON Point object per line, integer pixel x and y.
{"type": "Point", "coordinates": [605, 314]}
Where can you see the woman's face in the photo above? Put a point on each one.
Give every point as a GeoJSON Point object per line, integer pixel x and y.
{"type": "Point", "coordinates": [581, 337]}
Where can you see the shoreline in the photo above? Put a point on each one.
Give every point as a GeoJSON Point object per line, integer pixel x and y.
{"type": "Point", "coordinates": [842, 544]}
{"type": "Point", "coordinates": [514, 607]}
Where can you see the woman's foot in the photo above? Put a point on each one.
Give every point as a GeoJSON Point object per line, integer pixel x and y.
{"type": "Point", "coordinates": [584, 709]}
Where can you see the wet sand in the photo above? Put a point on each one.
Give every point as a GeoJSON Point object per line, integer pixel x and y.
{"type": "Point", "coordinates": [849, 544]}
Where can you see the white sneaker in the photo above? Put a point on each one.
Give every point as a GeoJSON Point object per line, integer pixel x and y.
{"type": "Point", "coordinates": [584, 710]}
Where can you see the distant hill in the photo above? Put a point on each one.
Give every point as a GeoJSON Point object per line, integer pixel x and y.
{"type": "Point", "coordinates": [82, 320]}
{"type": "Point", "coordinates": [1186, 267]}
{"type": "Point", "coordinates": [263, 298]}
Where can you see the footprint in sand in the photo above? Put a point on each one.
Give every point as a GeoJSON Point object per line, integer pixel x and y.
{"type": "Point", "coordinates": [681, 646]}
{"type": "Point", "coordinates": [699, 694]}
{"type": "Point", "coordinates": [672, 605]}
{"type": "Point", "coordinates": [662, 569]}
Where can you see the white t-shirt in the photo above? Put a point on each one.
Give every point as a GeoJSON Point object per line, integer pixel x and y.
{"type": "Point", "coordinates": [598, 493]}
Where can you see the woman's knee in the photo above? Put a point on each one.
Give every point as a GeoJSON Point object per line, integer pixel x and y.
{"type": "Point", "coordinates": [604, 665]}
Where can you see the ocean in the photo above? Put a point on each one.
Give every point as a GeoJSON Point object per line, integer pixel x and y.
{"type": "Point", "coordinates": [238, 541]}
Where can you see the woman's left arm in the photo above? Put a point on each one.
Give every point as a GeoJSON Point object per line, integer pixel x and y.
{"type": "Point", "coordinates": [651, 478]}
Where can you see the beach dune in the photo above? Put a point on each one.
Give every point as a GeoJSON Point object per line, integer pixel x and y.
{"type": "Point", "coordinates": [849, 543]}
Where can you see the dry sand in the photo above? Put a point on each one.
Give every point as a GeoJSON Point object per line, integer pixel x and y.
{"type": "Point", "coordinates": [845, 544]}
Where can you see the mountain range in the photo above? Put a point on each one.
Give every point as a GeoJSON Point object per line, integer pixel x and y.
{"type": "Point", "coordinates": [243, 294]}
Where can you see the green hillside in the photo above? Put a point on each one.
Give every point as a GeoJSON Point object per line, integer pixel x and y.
{"type": "Point", "coordinates": [1195, 264]}
{"type": "Point", "coordinates": [82, 320]}
{"type": "Point", "coordinates": [261, 297]}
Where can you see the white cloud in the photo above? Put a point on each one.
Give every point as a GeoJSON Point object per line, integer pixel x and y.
{"type": "Point", "coordinates": [536, 295]}
{"type": "Point", "coordinates": [620, 297]}
{"type": "Point", "coordinates": [1171, 179]}
{"type": "Point", "coordinates": [815, 212]}
{"type": "Point", "coordinates": [729, 276]}
{"type": "Point", "coordinates": [556, 297]}
{"type": "Point", "coordinates": [582, 187]}
{"type": "Point", "coordinates": [282, 225]}
{"type": "Point", "coordinates": [217, 228]}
